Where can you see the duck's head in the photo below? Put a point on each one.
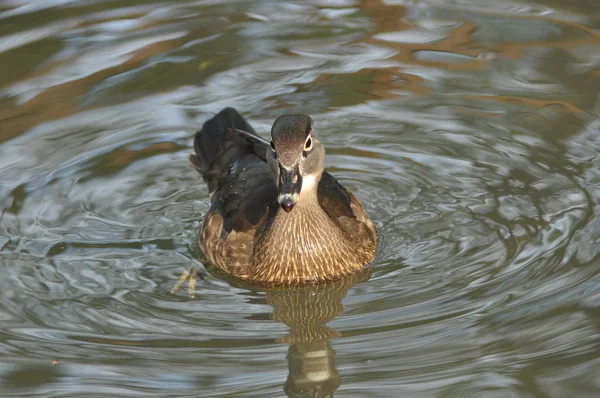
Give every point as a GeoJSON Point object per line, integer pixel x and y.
{"type": "Point", "coordinates": [296, 157]}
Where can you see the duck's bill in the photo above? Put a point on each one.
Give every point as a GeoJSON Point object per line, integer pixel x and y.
{"type": "Point", "coordinates": [290, 184]}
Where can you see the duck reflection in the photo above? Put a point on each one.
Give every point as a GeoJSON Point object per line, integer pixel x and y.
{"type": "Point", "coordinates": [306, 311]}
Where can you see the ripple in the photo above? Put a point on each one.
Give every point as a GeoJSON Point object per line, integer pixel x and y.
{"type": "Point", "coordinates": [468, 132]}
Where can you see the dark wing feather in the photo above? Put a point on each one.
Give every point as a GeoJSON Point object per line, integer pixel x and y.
{"type": "Point", "coordinates": [209, 140]}
{"type": "Point", "coordinates": [218, 143]}
{"type": "Point", "coordinates": [245, 193]}
{"type": "Point", "coordinates": [334, 198]}
{"type": "Point", "coordinates": [234, 166]}
{"type": "Point", "coordinates": [345, 209]}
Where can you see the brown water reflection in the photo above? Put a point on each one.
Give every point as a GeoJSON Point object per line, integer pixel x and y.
{"type": "Point", "coordinates": [469, 129]}
{"type": "Point", "coordinates": [306, 311]}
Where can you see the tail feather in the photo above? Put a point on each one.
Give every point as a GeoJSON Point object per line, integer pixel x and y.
{"type": "Point", "coordinates": [213, 145]}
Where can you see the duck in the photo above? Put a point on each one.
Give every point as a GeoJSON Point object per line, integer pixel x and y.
{"type": "Point", "coordinates": [276, 216]}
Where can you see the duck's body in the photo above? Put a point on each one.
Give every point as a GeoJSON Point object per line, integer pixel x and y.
{"type": "Point", "coordinates": [276, 216]}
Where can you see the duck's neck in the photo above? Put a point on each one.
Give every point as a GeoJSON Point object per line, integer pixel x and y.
{"type": "Point", "coordinates": [303, 243]}
{"type": "Point", "coordinates": [308, 193]}
{"type": "Point", "coordinates": [305, 222]}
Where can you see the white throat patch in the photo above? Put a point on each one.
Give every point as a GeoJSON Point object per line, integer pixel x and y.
{"type": "Point", "coordinates": [308, 183]}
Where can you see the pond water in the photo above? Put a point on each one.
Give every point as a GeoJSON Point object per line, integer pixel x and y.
{"type": "Point", "coordinates": [468, 129]}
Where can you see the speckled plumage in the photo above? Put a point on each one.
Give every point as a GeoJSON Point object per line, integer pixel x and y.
{"type": "Point", "coordinates": [327, 235]}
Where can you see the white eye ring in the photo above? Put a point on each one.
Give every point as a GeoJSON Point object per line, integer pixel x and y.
{"type": "Point", "coordinates": [308, 144]}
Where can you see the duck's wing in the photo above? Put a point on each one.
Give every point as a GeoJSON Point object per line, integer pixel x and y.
{"type": "Point", "coordinates": [231, 158]}
{"type": "Point", "coordinates": [346, 210]}
{"type": "Point", "coordinates": [225, 137]}
{"type": "Point", "coordinates": [245, 194]}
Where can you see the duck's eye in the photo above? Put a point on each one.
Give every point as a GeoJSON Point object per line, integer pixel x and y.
{"type": "Point", "coordinates": [272, 146]}
{"type": "Point", "coordinates": [308, 144]}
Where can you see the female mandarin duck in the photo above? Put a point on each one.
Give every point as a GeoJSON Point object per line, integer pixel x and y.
{"type": "Point", "coordinates": [276, 216]}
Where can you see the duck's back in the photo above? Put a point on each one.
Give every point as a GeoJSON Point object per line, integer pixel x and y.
{"type": "Point", "coordinates": [234, 167]}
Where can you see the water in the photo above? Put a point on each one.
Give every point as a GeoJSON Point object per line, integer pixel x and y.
{"type": "Point", "coordinates": [468, 129]}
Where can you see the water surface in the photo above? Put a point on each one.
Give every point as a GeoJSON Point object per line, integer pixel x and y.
{"type": "Point", "coordinates": [468, 129]}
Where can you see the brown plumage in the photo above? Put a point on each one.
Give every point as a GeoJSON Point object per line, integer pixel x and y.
{"type": "Point", "coordinates": [276, 217]}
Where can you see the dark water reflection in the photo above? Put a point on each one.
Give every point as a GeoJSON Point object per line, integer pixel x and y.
{"type": "Point", "coordinates": [469, 130]}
